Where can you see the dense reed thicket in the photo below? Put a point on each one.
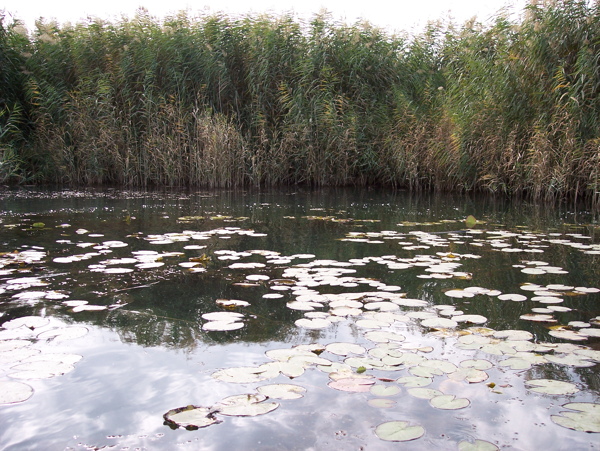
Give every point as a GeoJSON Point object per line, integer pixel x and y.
{"type": "Point", "coordinates": [512, 106]}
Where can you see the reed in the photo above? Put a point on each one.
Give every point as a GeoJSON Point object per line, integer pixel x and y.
{"type": "Point", "coordinates": [508, 107]}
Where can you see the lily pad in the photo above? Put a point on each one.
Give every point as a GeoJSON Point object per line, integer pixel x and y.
{"type": "Point", "coordinates": [583, 417]}
{"type": "Point", "coordinates": [243, 375]}
{"type": "Point", "coordinates": [63, 333]}
{"type": "Point", "coordinates": [424, 393]}
{"type": "Point", "coordinates": [449, 402]}
{"type": "Point", "coordinates": [247, 405]}
{"type": "Point", "coordinates": [384, 390]}
{"type": "Point", "coordinates": [315, 323]}
{"type": "Point", "coordinates": [471, 375]}
{"type": "Point", "coordinates": [12, 392]}
{"type": "Point", "coordinates": [352, 384]}
{"type": "Point", "coordinates": [477, 445]}
{"type": "Point", "coordinates": [282, 391]}
{"type": "Point", "coordinates": [414, 381]}
{"type": "Point", "coordinates": [382, 403]}
{"type": "Point", "coordinates": [399, 431]}
{"type": "Point", "coordinates": [31, 322]}
{"type": "Point", "coordinates": [221, 325]}
{"type": "Point", "coordinates": [190, 417]}
{"type": "Point", "coordinates": [551, 387]}
{"type": "Point", "coordinates": [438, 323]}
{"type": "Point", "coordinates": [344, 349]}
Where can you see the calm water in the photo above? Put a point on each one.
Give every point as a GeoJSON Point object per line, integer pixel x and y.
{"type": "Point", "coordinates": [145, 349]}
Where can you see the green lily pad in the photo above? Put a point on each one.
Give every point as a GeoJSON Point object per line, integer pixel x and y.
{"type": "Point", "coordinates": [190, 417]}
{"type": "Point", "coordinates": [414, 381]}
{"type": "Point", "coordinates": [316, 323]}
{"type": "Point", "coordinates": [470, 222]}
{"type": "Point", "coordinates": [551, 387]}
{"type": "Point", "coordinates": [12, 392]}
{"type": "Point", "coordinates": [471, 375]}
{"type": "Point", "coordinates": [246, 405]}
{"type": "Point", "coordinates": [282, 391]}
{"type": "Point", "coordinates": [31, 322]}
{"type": "Point", "coordinates": [221, 325]}
{"type": "Point", "coordinates": [382, 403]}
{"type": "Point", "coordinates": [477, 445]}
{"type": "Point", "coordinates": [384, 390]}
{"type": "Point", "coordinates": [352, 384]}
{"type": "Point", "coordinates": [344, 349]}
{"type": "Point", "coordinates": [424, 393]}
{"type": "Point", "coordinates": [243, 375]}
{"type": "Point", "coordinates": [585, 417]}
{"type": "Point", "coordinates": [399, 431]}
{"type": "Point", "coordinates": [449, 402]}
{"type": "Point", "coordinates": [438, 323]}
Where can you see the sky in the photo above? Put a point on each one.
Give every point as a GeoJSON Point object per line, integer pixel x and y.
{"type": "Point", "coordinates": [394, 15]}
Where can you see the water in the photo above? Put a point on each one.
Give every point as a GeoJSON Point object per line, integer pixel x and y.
{"type": "Point", "coordinates": [146, 352]}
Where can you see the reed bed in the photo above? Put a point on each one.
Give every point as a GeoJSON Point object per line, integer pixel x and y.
{"type": "Point", "coordinates": [511, 106]}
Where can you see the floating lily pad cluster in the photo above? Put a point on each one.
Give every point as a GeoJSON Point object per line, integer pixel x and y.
{"type": "Point", "coordinates": [28, 352]}
{"type": "Point", "coordinates": [384, 365]}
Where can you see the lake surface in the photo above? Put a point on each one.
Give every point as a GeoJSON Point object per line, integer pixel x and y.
{"type": "Point", "coordinates": [104, 296]}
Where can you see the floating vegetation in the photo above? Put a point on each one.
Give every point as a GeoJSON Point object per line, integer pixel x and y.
{"type": "Point", "coordinates": [404, 316]}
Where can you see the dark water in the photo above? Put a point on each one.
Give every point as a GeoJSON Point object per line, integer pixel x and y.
{"type": "Point", "coordinates": [147, 352]}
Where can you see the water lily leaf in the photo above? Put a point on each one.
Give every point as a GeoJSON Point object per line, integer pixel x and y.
{"type": "Point", "coordinates": [352, 384]}
{"type": "Point", "coordinates": [414, 381]}
{"type": "Point", "coordinates": [479, 364]}
{"type": "Point", "coordinates": [405, 302]}
{"type": "Point", "coordinates": [190, 417]}
{"type": "Point", "coordinates": [370, 324]}
{"type": "Point", "coordinates": [551, 387]}
{"type": "Point", "coordinates": [457, 293]}
{"type": "Point", "coordinates": [284, 354]}
{"type": "Point", "coordinates": [357, 362]}
{"type": "Point", "coordinates": [221, 325]}
{"type": "Point", "coordinates": [222, 316]}
{"type": "Point", "coordinates": [384, 337]}
{"type": "Point", "coordinates": [513, 334]}
{"type": "Point", "coordinates": [449, 402]}
{"type": "Point", "coordinates": [438, 323]}
{"type": "Point", "coordinates": [471, 375]}
{"type": "Point", "coordinates": [399, 431]}
{"type": "Point", "coordinates": [424, 393]}
{"type": "Point", "coordinates": [512, 297]}
{"type": "Point", "coordinates": [315, 323]}
{"type": "Point", "coordinates": [228, 303]}
{"type": "Point", "coordinates": [243, 375]}
{"type": "Point", "coordinates": [12, 392]}
{"type": "Point", "coordinates": [31, 322]}
{"type": "Point", "coordinates": [477, 445]}
{"type": "Point", "coordinates": [570, 360]}
{"type": "Point", "coordinates": [516, 363]}
{"type": "Point", "coordinates": [585, 418]}
{"type": "Point", "coordinates": [381, 403]}
{"type": "Point", "coordinates": [592, 332]}
{"type": "Point", "coordinates": [470, 222]}
{"type": "Point", "coordinates": [568, 335]}
{"type": "Point", "coordinates": [384, 390]}
{"type": "Point", "coordinates": [282, 391]}
{"type": "Point", "coordinates": [538, 318]}
{"type": "Point", "coordinates": [474, 319]}
{"type": "Point", "coordinates": [288, 369]}
{"type": "Point", "coordinates": [344, 349]}
{"type": "Point", "coordinates": [247, 405]}
{"type": "Point", "coordinates": [63, 333]}
{"type": "Point", "coordinates": [43, 369]}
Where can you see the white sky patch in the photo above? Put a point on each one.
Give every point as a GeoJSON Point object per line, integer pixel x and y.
{"type": "Point", "coordinates": [399, 15]}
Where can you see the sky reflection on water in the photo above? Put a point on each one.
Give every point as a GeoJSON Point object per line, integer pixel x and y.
{"type": "Point", "coordinates": [148, 354]}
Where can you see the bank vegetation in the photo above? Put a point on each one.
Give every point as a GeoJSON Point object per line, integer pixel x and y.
{"type": "Point", "coordinates": [510, 106]}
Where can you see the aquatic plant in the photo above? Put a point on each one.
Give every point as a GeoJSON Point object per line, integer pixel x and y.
{"type": "Point", "coordinates": [219, 101]}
